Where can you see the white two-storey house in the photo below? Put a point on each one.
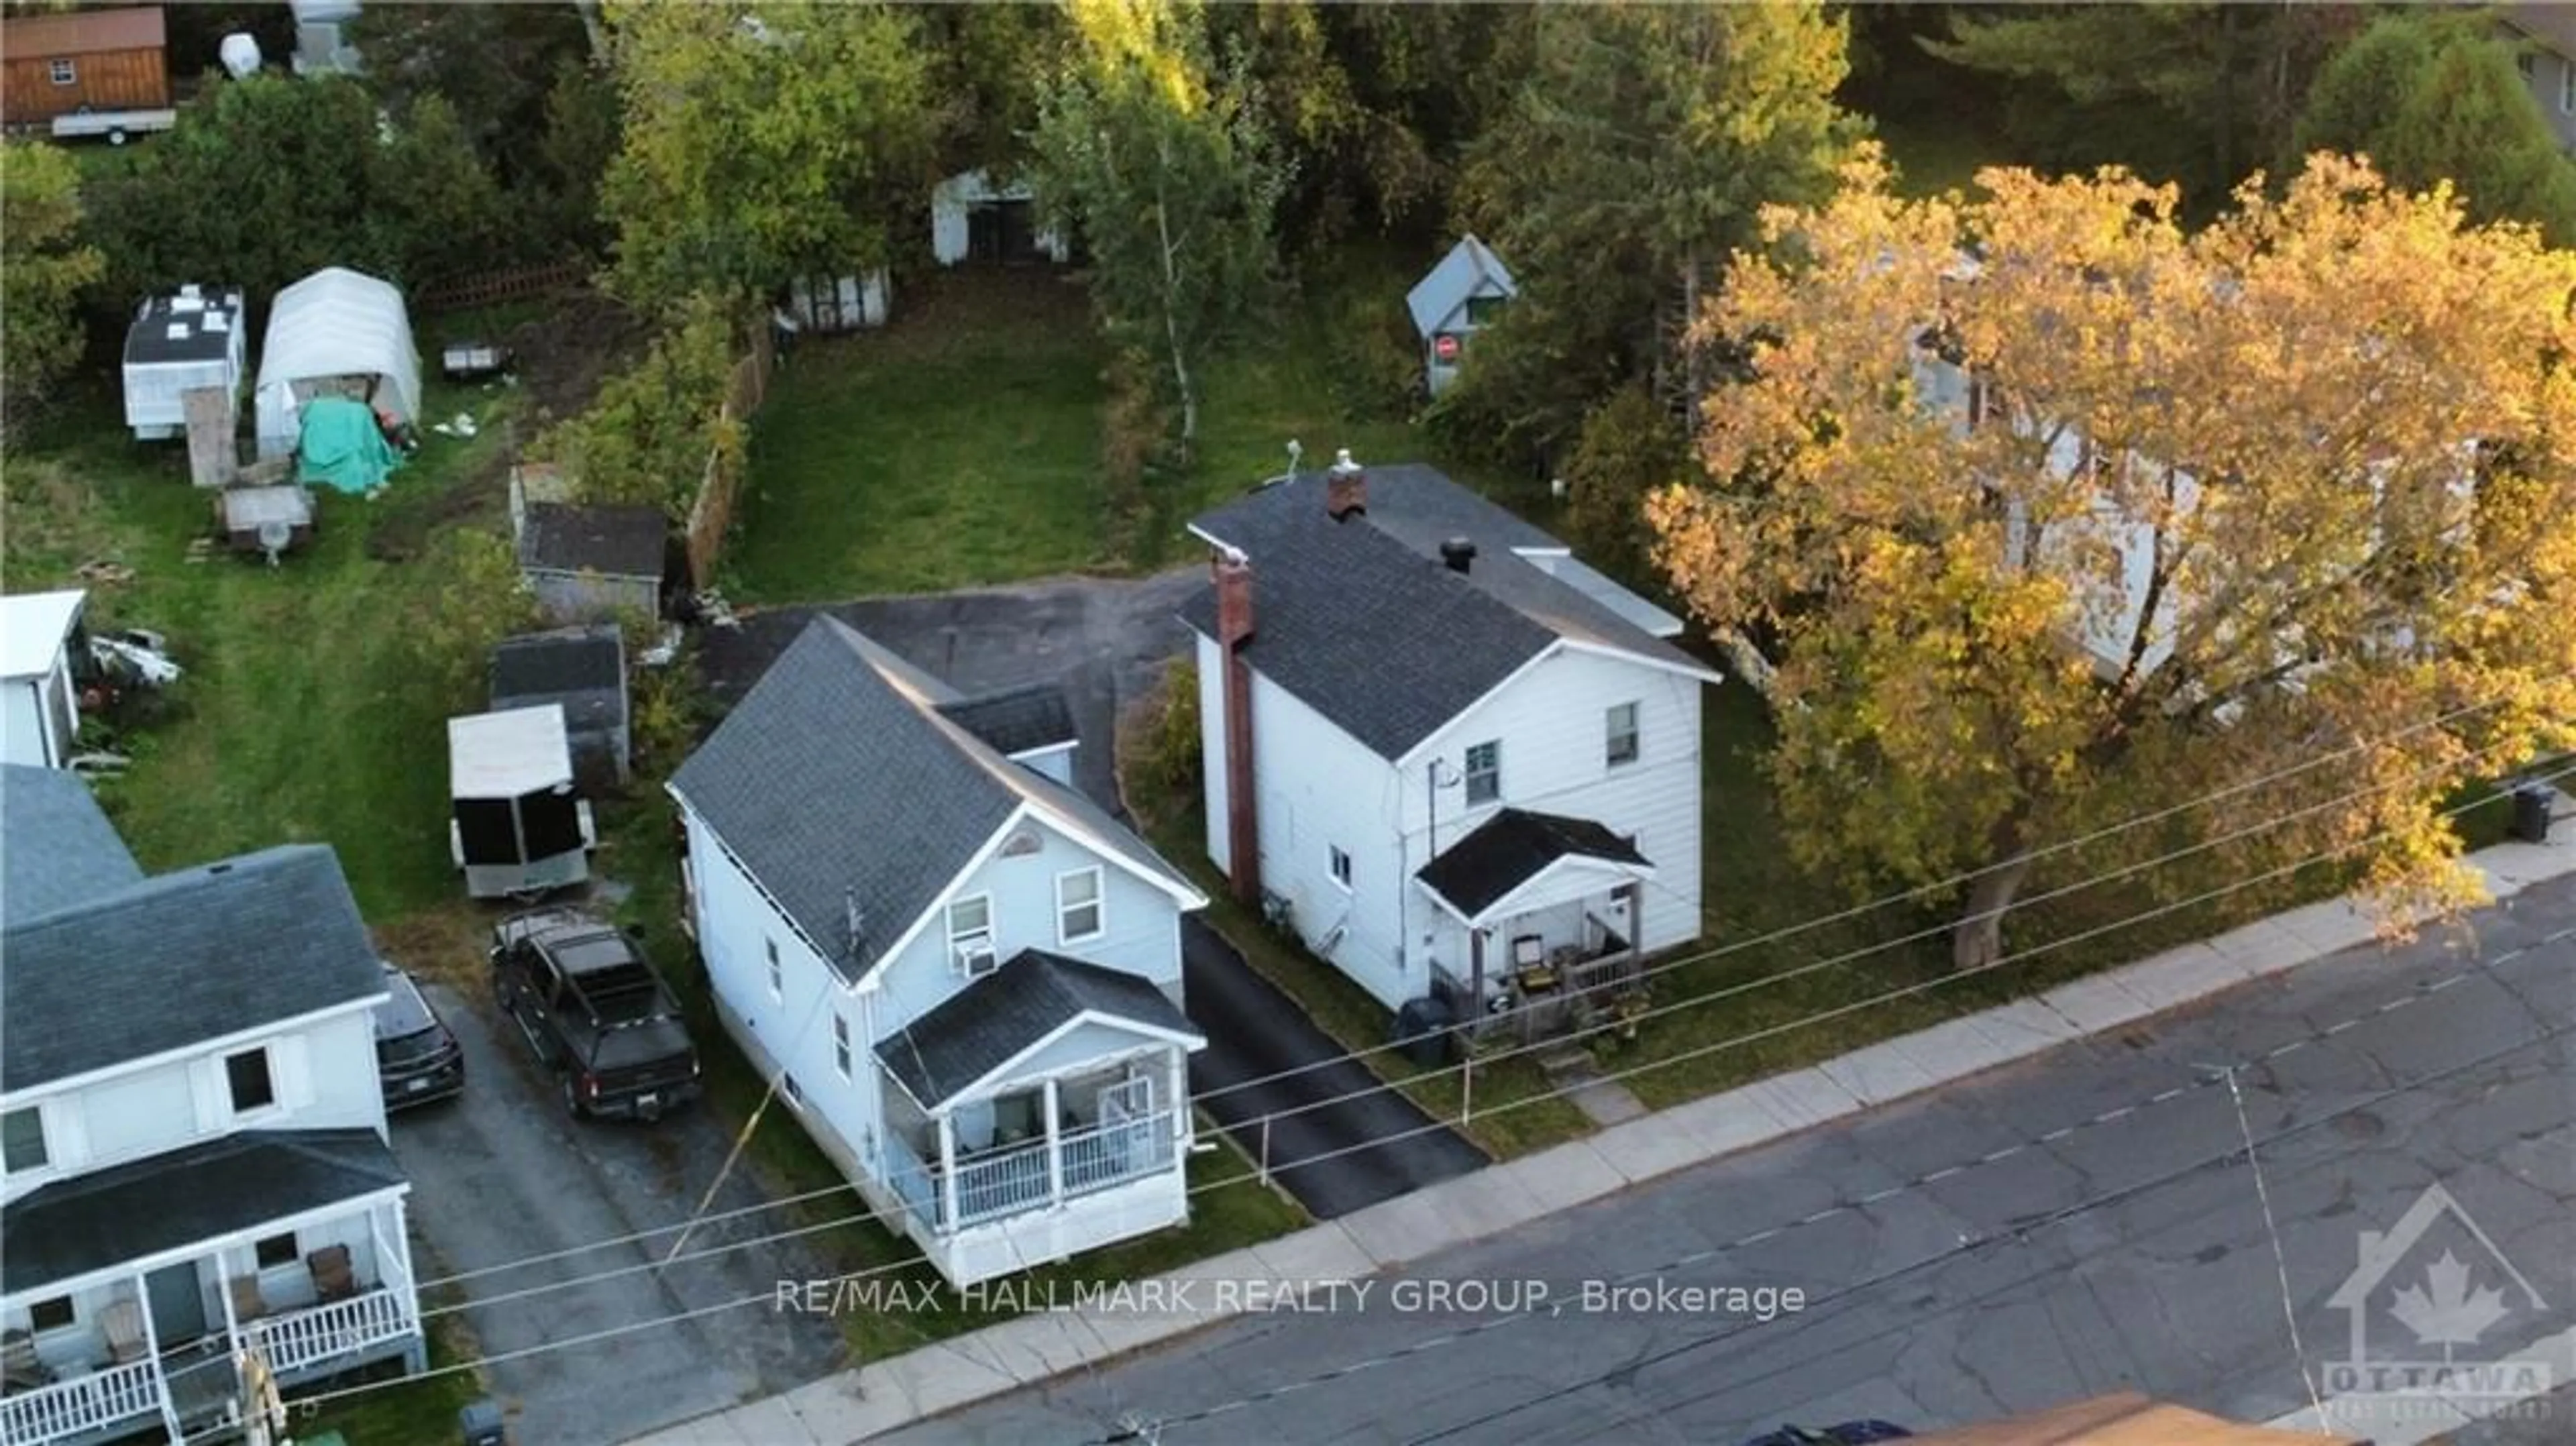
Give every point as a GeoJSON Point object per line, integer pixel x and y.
{"type": "Point", "coordinates": [197, 1177]}
{"type": "Point", "coordinates": [1458, 762]}
{"type": "Point", "coordinates": [963, 975]}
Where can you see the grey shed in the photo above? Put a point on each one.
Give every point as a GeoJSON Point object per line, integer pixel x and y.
{"type": "Point", "coordinates": [584, 669]}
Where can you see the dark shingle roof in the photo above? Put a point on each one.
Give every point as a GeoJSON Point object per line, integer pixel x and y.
{"type": "Point", "coordinates": [1363, 621]}
{"type": "Point", "coordinates": [584, 669]}
{"type": "Point", "coordinates": [1513, 847]}
{"type": "Point", "coordinates": [175, 960]}
{"type": "Point", "coordinates": [985, 1024]}
{"type": "Point", "coordinates": [837, 782]}
{"type": "Point", "coordinates": [222, 1187]}
{"type": "Point", "coordinates": [56, 848]}
{"type": "Point", "coordinates": [611, 540]}
{"type": "Point", "coordinates": [149, 340]}
{"type": "Point", "coordinates": [1018, 719]}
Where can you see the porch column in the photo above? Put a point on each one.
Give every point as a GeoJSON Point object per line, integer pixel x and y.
{"type": "Point", "coordinates": [398, 1228]}
{"type": "Point", "coordinates": [224, 1277]}
{"type": "Point", "coordinates": [1179, 1099]}
{"type": "Point", "coordinates": [152, 1353]}
{"type": "Point", "coordinates": [947, 1170]}
{"type": "Point", "coordinates": [1055, 1147]}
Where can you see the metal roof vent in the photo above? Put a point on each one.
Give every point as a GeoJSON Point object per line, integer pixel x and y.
{"type": "Point", "coordinates": [179, 331]}
{"type": "Point", "coordinates": [1458, 553]}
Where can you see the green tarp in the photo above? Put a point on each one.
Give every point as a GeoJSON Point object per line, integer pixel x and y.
{"type": "Point", "coordinates": [342, 446]}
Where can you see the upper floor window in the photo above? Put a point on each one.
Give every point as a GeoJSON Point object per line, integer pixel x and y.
{"type": "Point", "coordinates": [2526, 62]}
{"type": "Point", "coordinates": [1341, 868]}
{"type": "Point", "coordinates": [1619, 730]}
{"type": "Point", "coordinates": [252, 1086]}
{"type": "Point", "coordinates": [22, 1140]}
{"type": "Point", "coordinates": [62, 73]}
{"type": "Point", "coordinates": [1484, 773]}
{"type": "Point", "coordinates": [777, 975]}
{"type": "Point", "coordinates": [970, 935]}
{"type": "Point", "coordinates": [841, 1044]}
{"type": "Point", "coordinates": [1077, 906]}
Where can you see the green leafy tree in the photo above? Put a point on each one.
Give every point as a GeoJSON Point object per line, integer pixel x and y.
{"type": "Point", "coordinates": [573, 153]}
{"type": "Point", "coordinates": [2433, 97]}
{"type": "Point", "coordinates": [1636, 155]}
{"type": "Point", "coordinates": [445, 211]}
{"type": "Point", "coordinates": [1629, 449]}
{"type": "Point", "coordinates": [648, 436]}
{"type": "Point", "coordinates": [1159, 161]}
{"type": "Point", "coordinates": [761, 143]}
{"type": "Point", "coordinates": [992, 63]}
{"type": "Point", "coordinates": [492, 65]}
{"type": "Point", "coordinates": [44, 269]}
{"type": "Point", "coordinates": [2199, 94]}
{"type": "Point", "coordinates": [482, 598]}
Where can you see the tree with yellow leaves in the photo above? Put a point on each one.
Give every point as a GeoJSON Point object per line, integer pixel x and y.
{"type": "Point", "coordinates": [2058, 512]}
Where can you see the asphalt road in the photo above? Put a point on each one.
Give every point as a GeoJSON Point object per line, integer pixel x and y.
{"type": "Point", "coordinates": [2082, 1223]}
{"type": "Point", "coordinates": [1260, 1076]}
{"type": "Point", "coordinates": [1106, 641]}
{"type": "Point", "coordinates": [500, 1174]}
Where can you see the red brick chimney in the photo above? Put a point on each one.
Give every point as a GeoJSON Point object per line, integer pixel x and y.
{"type": "Point", "coordinates": [1233, 630]}
{"type": "Point", "coordinates": [1345, 488]}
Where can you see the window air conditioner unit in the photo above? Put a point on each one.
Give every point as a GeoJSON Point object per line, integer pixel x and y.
{"type": "Point", "coordinates": [975, 960]}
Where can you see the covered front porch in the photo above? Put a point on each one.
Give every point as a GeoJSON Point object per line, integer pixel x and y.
{"type": "Point", "coordinates": [1536, 926]}
{"type": "Point", "coordinates": [136, 1298]}
{"type": "Point", "coordinates": [1041, 1112]}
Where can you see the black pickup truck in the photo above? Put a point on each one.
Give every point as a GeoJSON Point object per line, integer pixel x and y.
{"type": "Point", "coordinates": [595, 1012]}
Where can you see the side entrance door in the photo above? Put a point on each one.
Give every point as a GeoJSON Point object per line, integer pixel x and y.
{"type": "Point", "coordinates": [178, 1304]}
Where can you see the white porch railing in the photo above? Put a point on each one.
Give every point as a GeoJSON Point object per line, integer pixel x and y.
{"type": "Point", "coordinates": [84, 1403]}
{"type": "Point", "coordinates": [1007, 1182]}
{"type": "Point", "coordinates": [308, 1338]}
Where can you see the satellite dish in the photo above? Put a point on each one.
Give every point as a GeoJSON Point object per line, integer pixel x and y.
{"type": "Point", "coordinates": [274, 537]}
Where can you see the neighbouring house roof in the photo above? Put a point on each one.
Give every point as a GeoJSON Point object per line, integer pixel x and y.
{"type": "Point", "coordinates": [1364, 623]}
{"type": "Point", "coordinates": [1003, 1015]}
{"type": "Point", "coordinates": [1469, 270]}
{"type": "Point", "coordinates": [98, 1221]}
{"type": "Point", "coordinates": [1512, 848]}
{"type": "Point", "coordinates": [2124, 1419]}
{"type": "Point", "coordinates": [1017, 720]}
{"type": "Point", "coordinates": [2552, 25]}
{"type": "Point", "coordinates": [840, 786]}
{"type": "Point", "coordinates": [508, 755]}
{"type": "Point", "coordinates": [337, 322]}
{"type": "Point", "coordinates": [56, 847]}
{"type": "Point", "coordinates": [176, 960]}
{"type": "Point", "coordinates": [613, 540]}
{"type": "Point", "coordinates": [201, 328]}
{"type": "Point", "coordinates": [33, 626]}
{"type": "Point", "coordinates": [82, 32]}
{"type": "Point", "coordinates": [581, 670]}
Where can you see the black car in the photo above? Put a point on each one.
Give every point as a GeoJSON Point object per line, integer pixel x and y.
{"type": "Point", "coordinates": [1849, 1433]}
{"type": "Point", "coordinates": [416, 1058]}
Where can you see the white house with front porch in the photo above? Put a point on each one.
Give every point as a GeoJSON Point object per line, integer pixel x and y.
{"type": "Point", "coordinates": [1457, 762]}
{"type": "Point", "coordinates": [197, 1177]}
{"type": "Point", "coordinates": [963, 975]}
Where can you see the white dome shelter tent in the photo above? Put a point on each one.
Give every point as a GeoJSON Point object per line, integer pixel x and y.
{"type": "Point", "coordinates": [336, 332]}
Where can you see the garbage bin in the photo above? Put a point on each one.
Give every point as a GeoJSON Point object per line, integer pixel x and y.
{"type": "Point", "coordinates": [2531, 813]}
{"type": "Point", "coordinates": [480, 1424]}
{"type": "Point", "coordinates": [1422, 1031]}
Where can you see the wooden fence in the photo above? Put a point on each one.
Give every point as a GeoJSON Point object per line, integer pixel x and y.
{"type": "Point", "coordinates": [711, 514]}
{"type": "Point", "coordinates": [459, 293]}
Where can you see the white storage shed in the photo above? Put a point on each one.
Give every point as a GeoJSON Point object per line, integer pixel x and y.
{"type": "Point", "coordinates": [39, 709]}
{"type": "Point", "coordinates": [517, 827]}
{"type": "Point", "coordinates": [975, 218]}
{"type": "Point", "coordinates": [340, 332]}
{"type": "Point", "coordinates": [180, 342]}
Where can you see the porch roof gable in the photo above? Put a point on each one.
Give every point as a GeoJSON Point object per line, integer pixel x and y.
{"type": "Point", "coordinates": [1502, 856]}
{"type": "Point", "coordinates": [984, 1028]}
{"type": "Point", "coordinates": [93, 1223]}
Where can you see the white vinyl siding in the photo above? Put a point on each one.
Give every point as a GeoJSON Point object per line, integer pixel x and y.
{"type": "Point", "coordinates": [1078, 907]}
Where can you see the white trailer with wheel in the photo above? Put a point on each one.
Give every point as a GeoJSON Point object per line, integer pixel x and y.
{"type": "Point", "coordinates": [516, 825]}
{"type": "Point", "coordinates": [116, 125]}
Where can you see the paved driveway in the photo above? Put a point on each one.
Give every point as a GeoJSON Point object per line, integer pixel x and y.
{"type": "Point", "coordinates": [1107, 640]}
{"type": "Point", "coordinates": [500, 1175]}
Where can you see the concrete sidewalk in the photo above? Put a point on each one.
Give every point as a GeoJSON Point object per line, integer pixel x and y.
{"type": "Point", "coordinates": [886, 1395]}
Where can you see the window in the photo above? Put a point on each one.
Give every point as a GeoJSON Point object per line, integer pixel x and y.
{"type": "Point", "coordinates": [1341, 868]}
{"type": "Point", "coordinates": [1077, 906]}
{"type": "Point", "coordinates": [63, 74]}
{"type": "Point", "coordinates": [841, 1044]}
{"type": "Point", "coordinates": [52, 1315]}
{"type": "Point", "coordinates": [24, 1147]}
{"type": "Point", "coordinates": [1481, 310]}
{"type": "Point", "coordinates": [276, 1250]}
{"type": "Point", "coordinates": [2567, 87]}
{"type": "Point", "coordinates": [1484, 773]}
{"type": "Point", "coordinates": [777, 976]}
{"type": "Point", "coordinates": [795, 1093]}
{"type": "Point", "coordinates": [2526, 62]}
{"type": "Point", "coordinates": [1619, 742]}
{"type": "Point", "coordinates": [247, 1073]}
{"type": "Point", "coordinates": [970, 935]}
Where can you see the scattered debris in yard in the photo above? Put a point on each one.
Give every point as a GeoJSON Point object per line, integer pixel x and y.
{"type": "Point", "coordinates": [103, 573]}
